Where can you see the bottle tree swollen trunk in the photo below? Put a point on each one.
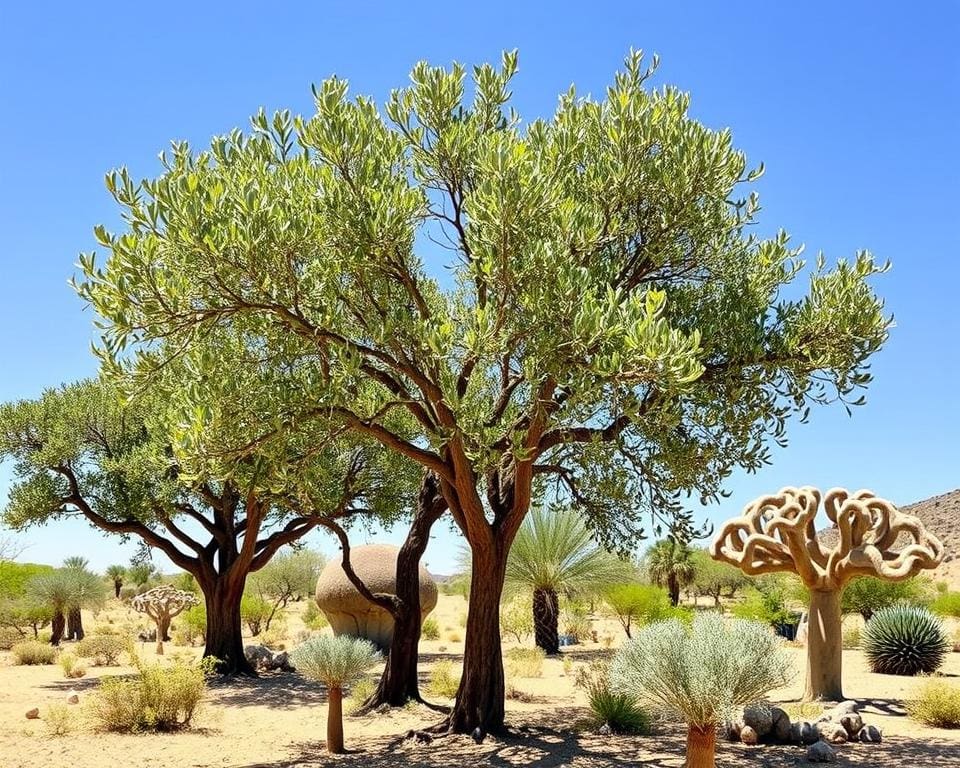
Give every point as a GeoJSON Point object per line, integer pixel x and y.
{"type": "Point", "coordinates": [824, 647]}
{"type": "Point", "coordinates": [546, 614]}
{"type": "Point", "coordinates": [701, 746]}
{"type": "Point", "coordinates": [335, 720]}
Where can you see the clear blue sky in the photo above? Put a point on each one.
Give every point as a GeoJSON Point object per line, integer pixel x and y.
{"type": "Point", "coordinates": [854, 108]}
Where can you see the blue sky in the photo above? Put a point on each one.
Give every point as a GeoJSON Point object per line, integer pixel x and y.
{"type": "Point", "coordinates": [853, 107]}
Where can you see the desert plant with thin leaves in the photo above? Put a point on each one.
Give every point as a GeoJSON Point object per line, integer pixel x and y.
{"type": "Point", "coordinates": [700, 673]}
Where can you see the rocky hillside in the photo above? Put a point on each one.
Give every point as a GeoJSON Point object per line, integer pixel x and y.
{"type": "Point", "coordinates": [941, 515]}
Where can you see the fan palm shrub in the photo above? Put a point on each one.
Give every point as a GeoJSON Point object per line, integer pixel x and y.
{"type": "Point", "coordinates": [336, 662]}
{"type": "Point", "coordinates": [116, 574]}
{"type": "Point", "coordinates": [701, 673]}
{"type": "Point", "coordinates": [670, 563]}
{"type": "Point", "coordinates": [555, 554]}
{"type": "Point", "coordinates": [63, 591]}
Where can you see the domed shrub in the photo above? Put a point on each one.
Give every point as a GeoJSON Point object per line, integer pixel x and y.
{"type": "Point", "coordinates": [904, 640]}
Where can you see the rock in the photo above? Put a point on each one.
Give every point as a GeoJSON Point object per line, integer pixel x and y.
{"type": "Point", "coordinates": [795, 737]}
{"type": "Point", "coordinates": [831, 732]}
{"type": "Point", "coordinates": [852, 722]}
{"type": "Point", "coordinates": [821, 752]}
{"type": "Point", "coordinates": [259, 656]}
{"type": "Point", "coordinates": [73, 698]}
{"type": "Point", "coordinates": [282, 662]}
{"type": "Point", "coordinates": [759, 716]}
{"type": "Point", "coordinates": [844, 707]}
{"type": "Point", "coordinates": [604, 730]}
{"type": "Point", "coordinates": [870, 734]}
{"type": "Point", "coordinates": [478, 735]}
{"type": "Point", "coordinates": [809, 733]}
{"type": "Point", "coordinates": [781, 725]}
{"type": "Point", "coordinates": [749, 735]}
{"type": "Point", "coordinates": [732, 729]}
{"type": "Point", "coordinates": [33, 714]}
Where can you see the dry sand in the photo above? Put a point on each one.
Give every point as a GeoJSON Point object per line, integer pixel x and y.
{"type": "Point", "coordinates": [277, 721]}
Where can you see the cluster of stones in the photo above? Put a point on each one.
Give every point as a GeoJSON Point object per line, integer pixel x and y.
{"type": "Point", "coordinates": [263, 659]}
{"type": "Point", "coordinates": [763, 723]}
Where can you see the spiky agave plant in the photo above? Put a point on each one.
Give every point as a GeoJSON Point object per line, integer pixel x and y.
{"type": "Point", "coordinates": [701, 673]}
{"type": "Point", "coordinates": [904, 640]}
{"type": "Point", "coordinates": [335, 662]}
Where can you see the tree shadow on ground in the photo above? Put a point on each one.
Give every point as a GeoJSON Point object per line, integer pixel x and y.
{"type": "Point", "coordinates": [278, 690]}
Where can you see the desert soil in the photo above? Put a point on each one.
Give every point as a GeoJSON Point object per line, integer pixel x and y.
{"type": "Point", "coordinates": [278, 720]}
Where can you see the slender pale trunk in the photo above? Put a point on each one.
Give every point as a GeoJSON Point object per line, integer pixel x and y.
{"type": "Point", "coordinates": [824, 647]}
{"type": "Point", "coordinates": [701, 746]}
{"type": "Point", "coordinates": [335, 720]}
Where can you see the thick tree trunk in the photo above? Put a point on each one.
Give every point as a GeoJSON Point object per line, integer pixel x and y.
{"type": "Point", "coordinates": [335, 720]}
{"type": "Point", "coordinates": [57, 626]}
{"type": "Point", "coordinates": [74, 625]}
{"type": "Point", "coordinates": [824, 647]}
{"type": "Point", "coordinates": [399, 682]}
{"type": "Point", "coordinates": [163, 629]}
{"type": "Point", "coordinates": [480, 698]}
{"type": "Point", "coordinates": [546, 615]}
{"type": "Point", "coordinates": [224, 640]}
{"type": "Point", "coordinates": [701, 746]}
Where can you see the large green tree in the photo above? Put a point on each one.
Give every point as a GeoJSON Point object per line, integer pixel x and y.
{"type": "Point", "coordinates": [608, 318]}
{"type": "Point", "coordinates": [80, 452]}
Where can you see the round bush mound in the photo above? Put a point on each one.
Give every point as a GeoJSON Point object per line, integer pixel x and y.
{"type": "Point", "coordinates": [349, 612]}
{"type": "Point", "coordinates": [904, 640]}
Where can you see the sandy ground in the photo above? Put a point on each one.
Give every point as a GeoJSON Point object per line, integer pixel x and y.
{"type": "Point", "coordinates": [277, 721]}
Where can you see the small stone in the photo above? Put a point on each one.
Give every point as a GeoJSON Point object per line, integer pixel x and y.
{"type": "Point", "coordinates": [749, 735]}
{"type": "Point", "coordinates": [831, 732]}
{"type": "Point", "coordinates": [604, 730]}
{"type": "Point", "coordinates": [795, 732]}
{"type": "Point", "coordinates": [781, 725]}
{"type": "Point", "coordinates": [73, 698]}
{"type": "Point", "coordinates": [733, 728]}
{"type": "Point", "coordinates": [809, 733]}
{"type": "Point", "coordinates": [852, 722]}
{"type": "Point", "coordinates": [759, 716]}
{"type": "Point", "coordinates": [870, 734]}
{"type": "Point", "coordinates": [478, 735]}
{"type": "Point", "coordinates": [821, 752]}
{"type": "Point", "coordinates": [33, 714]}
{"type": "Point", "coordinates": [844, 707]}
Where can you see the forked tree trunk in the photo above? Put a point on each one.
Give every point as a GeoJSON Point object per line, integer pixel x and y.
{"type": "Point", "coordinates": [480, 698]}
{"type": "Point", "coordinates": [546, 615]}
{"type": "Point", "coordinates": [224, 640]}
{"type": "Point", "coordinates": [824, 647]}
{"type": "Point", "coordinates": [701, 746]}
{"type": "Point", "coordinates": [74, 625]}
{"type": "Point", "coordinates": [163, 629]}
{"type": "Point", "coordinates": [57, 626]}
{"type": "Point", "coordinates": [335, 720]}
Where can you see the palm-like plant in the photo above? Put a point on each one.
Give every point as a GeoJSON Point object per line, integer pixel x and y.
{"type": "Point", "coordinates": [116, 574]}
{"type": "Point", "coordinates": [89, 592]}
{"type": "Point", "coordinates": [63, 591]}
{"type": "Point", "coordinates": [336, 662]}
{"type": "Point", "coordinates": [701, 673]}
{"type": "Point", "coordinates": [554, 553]}
{"type": "Point", "coordinates": [670, 564]}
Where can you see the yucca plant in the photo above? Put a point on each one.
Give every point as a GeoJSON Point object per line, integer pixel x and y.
{"type": "Point", "coordinates": [905, 640]}
{"type": "Point", "coordinates": [336, 662]}
{"type": "Point", "coordinates": [554, 553]}
{"type": "Point", "coordinates": [701, 673]}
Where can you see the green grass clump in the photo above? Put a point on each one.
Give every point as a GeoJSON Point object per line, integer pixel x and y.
{"type": "Point", "coordinates": [71, 666]}
{"type": "Point", "coordinates": [33, 652]}
{"type": "Point", "coordinates": [430, 630]}
{"type": "Point", "coordinates": [618, 710]}
{"type": "Point", "coordinates": [360, 691]}
{"type": "Point", "coordinates": [444, 680]}
{"type": "Point", "coordinates": [525, 662]}
{"type": "Point", "coordinates": [103, 650]}
{"type": "Point", "coordinates": [937, 704]}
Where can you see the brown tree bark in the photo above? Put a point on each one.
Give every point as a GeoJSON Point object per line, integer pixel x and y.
{"type": "Point", "coordinates": [546, 614]}
{"type": "Point", "coordinates": [57, 626]}
{"type": "Point", "coordinates": [116, 588]}
{"type": "Point", "coordinates": [74, 625]}
{"type": "Point", "coordinates": [701, 746]}
{"type": "Point", "coordinates": [824, 647]}
{"type": "Point", "coordinates": [335, 720]}
{"type": "Point", "coordinates": [673, 587]}
{"type": "Point", "coordinates": [224, 639]}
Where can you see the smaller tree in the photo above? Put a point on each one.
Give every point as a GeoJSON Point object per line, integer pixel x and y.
{"type": "Point", "coordinates": [336, 662]}
{"type": "Point", "coordinates": [866, 594]}
{"type": "Point", "coordinates": [638, 604]}
{"type": "Point", "coordinates": [715, 579]}
{"type": "Point", "coordinates": [116, 574]}
{"type": "Point", "coordinates": [701, 673]}
{"type": "Point", "coordinates": [287, 577]}
{"type": "Point", "coordinates": [140, 571]}
{"type": "Point", "coordinates": [669, 564]}
{"type": "Point", "coordinates": [86, 582]}
{"type": "Point", "coordinates": [162, 604]}
{"type": "Point", "coordinates": [62, 591]}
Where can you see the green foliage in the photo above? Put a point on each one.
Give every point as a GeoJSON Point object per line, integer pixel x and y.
{"type": "Point", "coordinates": [574, 620]}
{"type": "Point", "coordinates": [10, 636]}
{"type": "Point", "coordinates": [104, 650]}
{"type": "Point", "coordinates": [937, 704]}
{"type": "Point", "coordinates": [715, 579]}
{"type": "Point", "coordinates": [334, 661]}
{"type": "Point", "coordinates": [444, 679]}
{"type": "Point", "coordinates": [525, 662]}
{"type": "Point", "coordinates": [66, 588]}
{"type": "Point", "coordinates": [185, 582]}
{"type": "Point", "coordinates": [159, 698]}
{"type": "Point", "coordinates": [516, 618]}
{"type": "Point", "coordinates": [313, 617]}
{"type": "Point", "coordinates": [669, 563]}
{"type": "Point", "coordinates": [771, 599]}
{"type": "Point", "coordinates": [852, 638]}
{"type": "Point", "coordinates": [430, 629]}
{"type": "Point", "coordinates": [15, 576]}
{"type": "Point", "coordinates": [360, 691]}
{"type": "Point", "coordinates": [638, 604]}
{"type": "Point", "coordinates": [619, 710]}
{"type": "Point", "coordinates": [20, 612]}
{"type": "Point", "coordinates": [286, 577]}
{"type": "Point", "coordinates": [254, 612]}
{"type": "Point", "coordinates": [193, 623]}
{"type": "Point", "coordinates": [33, 652]}
{"type": "Point", "coordinates": [71, 666]}
{"type": "Point", "coordinates": [947, 604]}
{"type": "Point", "coordinates": [905, 640]}
{"type": "Point", "coordinates": [58, 720]}
{"type": "Point", "coordinates": [866, 594]}
{"type": "Point", "coordinates": [701, 672]}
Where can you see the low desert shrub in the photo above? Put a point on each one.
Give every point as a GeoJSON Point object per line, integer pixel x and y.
{"type": "Point", "coordinates": [567, 666]}
{"type": "Point", "coordinates": [454, 637]}
{"type": "Point", "coordinates": [360, 691]}
{"type": "Point", "coordinates": [33, 652]}
{"type": "Point", "coordinates": [947, 604]}
{"type": "Point", "coordinates": [9, 637]}
{"type": "Point", "coordinates": [937, 704]}
{"type": "Point", "coordinates": [72, 667]}
{"type": "Point", "coordinates": [430, 630]}
{"type": "Point", "coordinates": [851, 638]}
{"type": "Point", "coordinates": [956, 640]}
{"type": "Point", "coordinates": [575, 624]}
{"type": "Point", "coordinates": [58, 719]}
{"type": "Point", "coordinates": [636, 605]}
{"type": "Point", "coordinates": [254, 611]}
{"type": "Point", "coordinates": [905, 640]}
{"type": "Point", "coordinates": [275, 638]}
{"type": "Point", "coordinates": [444, 680]}
{"type": "Point", "coordinates": [313, 617]}
{"type": "Point", "coordinates": [620, 711]}
{"type": "Point", "coordinates": [525, 662]}
{"type": "Point", "coordinates": [191, 625]}
{"type": "Point", "coordinates": [103, 650]}
{"type": "Point", "coordinates": [516, 619]}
